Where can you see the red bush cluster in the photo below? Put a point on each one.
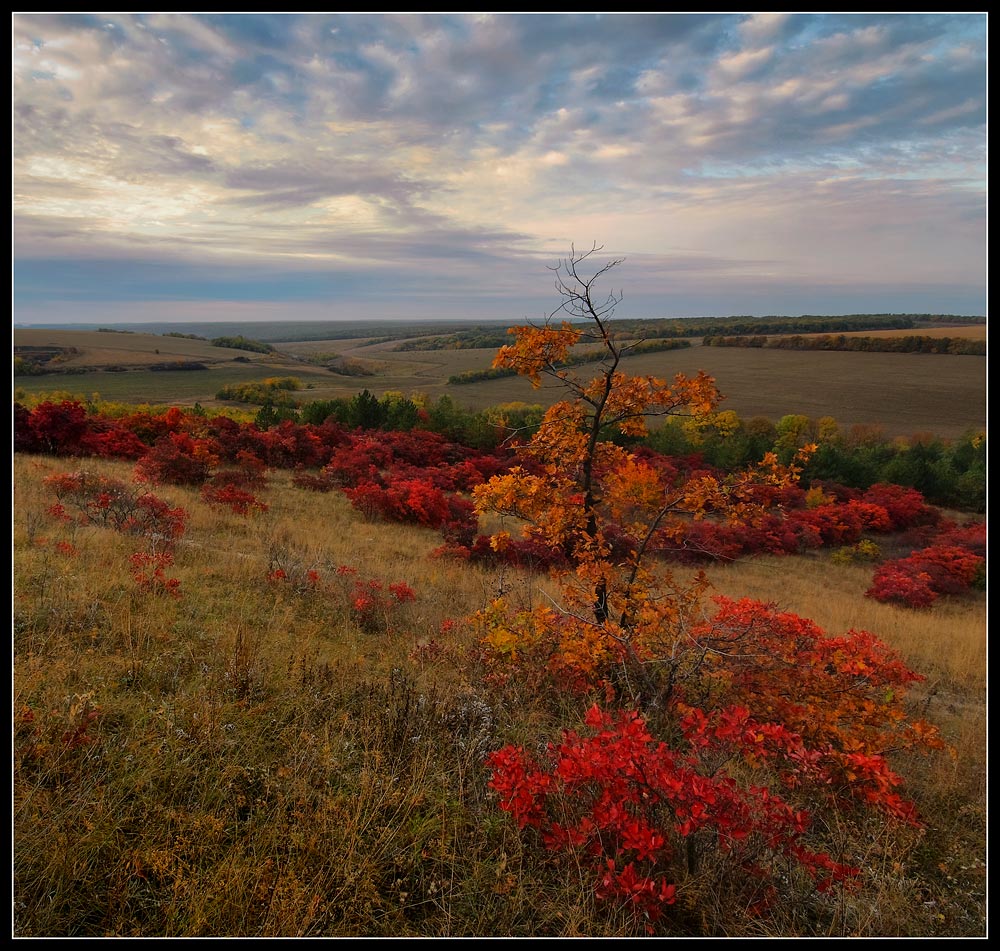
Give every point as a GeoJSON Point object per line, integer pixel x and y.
{"type": "Point", "coordinates": [780, 721]}
{"type": "Point", "coordinates": [919, 579]}
{"type": "Point", "coordinates": [419, 477]}
{"type": "Point", "coordinates": [417, 502]}
{"type": "Point", "coordinates": [178, 459]}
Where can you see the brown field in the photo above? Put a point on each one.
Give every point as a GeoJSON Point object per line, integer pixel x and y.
{"type": "Point", "coordinates": [903, 393]}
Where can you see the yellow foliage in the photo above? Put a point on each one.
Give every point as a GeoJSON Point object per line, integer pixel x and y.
{"type": "Point", "coordinates": [721, 425]}
{"type": "Point", "coordinates": [816, 497]}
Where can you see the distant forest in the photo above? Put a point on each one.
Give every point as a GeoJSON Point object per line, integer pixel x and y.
{"type": "Point", "coordinates": [478, 334]}
{"type": "Point", "coordinates": [906, 343]}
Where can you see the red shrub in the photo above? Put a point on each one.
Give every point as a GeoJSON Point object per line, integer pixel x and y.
{"type": "Point", "coordinates": [916, 581]}
{"type": "Point", "coordinates": [289, 444]}
{"type": "Point", "coordinates": [178, 459]}
{"type": "Point", "coordinates": [971, 537]}
{"type": "Point", "coordinates": [417, 448]}
{"type": "Point", "coordinates": [905, 507]}
{"type": "Point", "coordinates": [834, 524]}
{"type": "Point", "coordinates": [874, 518]}
{"type": "Point", "coordinates": [533, 553]}
{"type": "Point", "coordinates": [358, 463]}
{"type": "Point", "coordinates": [413, 501]}
{"type": "Point", "coordinates": [624, 804]}
{"type": "Point", "coordinates": [895, 583]}
{"type": "Point", "coordinates": [372, 604]}
{"type": "Point", "coordinates": [701, 541]}
{"type": "Point", "coordinates": [951, 569]}
{"type": "Point", "coordinates": [99, 500]}
{"type": "Point", "coordinates": [58, 428]}
{"type": "Point", "coordinates": [113, 442]}
{"type": "Point", "coordinates": [149, 573]}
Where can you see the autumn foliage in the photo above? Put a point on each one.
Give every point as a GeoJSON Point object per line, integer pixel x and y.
{"type": "Point", "coordinates": [632, 807]}
{"type": "Point", "coordinates": [730, 736]}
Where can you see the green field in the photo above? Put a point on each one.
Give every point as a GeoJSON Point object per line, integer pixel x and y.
{"type": "Point", "coordinates": [904, 393]}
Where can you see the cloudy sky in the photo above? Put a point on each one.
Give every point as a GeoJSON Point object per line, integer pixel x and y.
{"type": "Point", "coordinates": [255, 167]}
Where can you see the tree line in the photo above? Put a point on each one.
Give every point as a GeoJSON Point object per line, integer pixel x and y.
{"type": "Point", "coordinates": [628, 329]}
{"type": "Point", "coordinates": [909, 343]}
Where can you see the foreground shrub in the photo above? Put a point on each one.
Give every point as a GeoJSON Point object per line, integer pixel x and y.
{"type": "Point", "coordinates": [630, 808]}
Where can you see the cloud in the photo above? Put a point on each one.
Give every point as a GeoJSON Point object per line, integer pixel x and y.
{"type": "Point", "coordinates": [395, 143]}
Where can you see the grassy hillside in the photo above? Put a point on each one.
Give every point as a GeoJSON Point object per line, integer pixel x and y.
{"type": "Point", "coordinates": [255, 758]}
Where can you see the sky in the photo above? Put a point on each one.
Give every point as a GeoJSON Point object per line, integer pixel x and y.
{"type": "Point", "coordinates": [238, 167]}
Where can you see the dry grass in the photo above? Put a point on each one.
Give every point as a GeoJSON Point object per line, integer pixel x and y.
{"type": "Point", "coordinates": [263, 766]}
